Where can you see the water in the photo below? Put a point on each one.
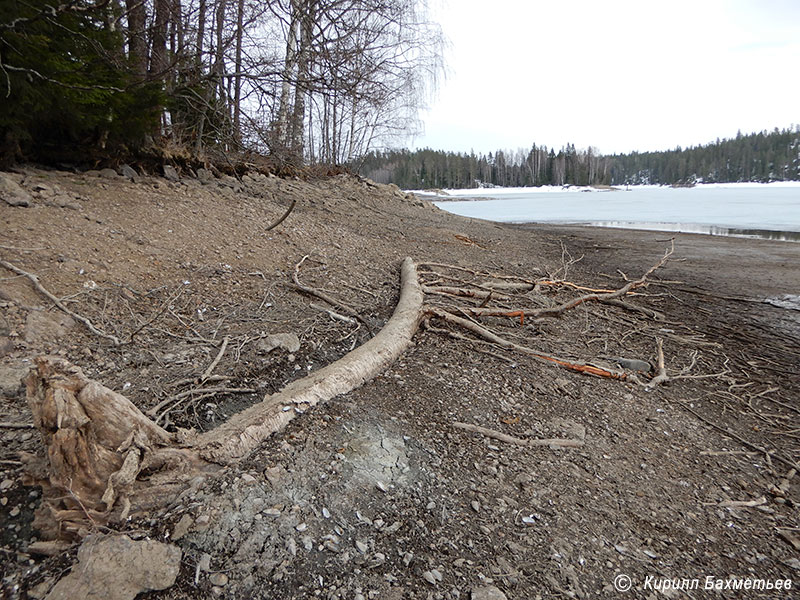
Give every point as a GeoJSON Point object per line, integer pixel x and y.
{"type": "Point", "coordinates": [766, 211]}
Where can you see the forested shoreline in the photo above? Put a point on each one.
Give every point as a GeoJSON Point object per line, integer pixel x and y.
{"type": "Point", "coordinates": [303, 81]}
{"type": "Point", "coordinates": [762, 157]}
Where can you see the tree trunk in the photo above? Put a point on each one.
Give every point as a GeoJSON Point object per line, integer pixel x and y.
{"type": "Point", "coordinates": [137, 42]}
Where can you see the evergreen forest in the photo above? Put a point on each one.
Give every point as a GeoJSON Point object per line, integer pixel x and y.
{"type": "Point", "coordinates": [763, 157]}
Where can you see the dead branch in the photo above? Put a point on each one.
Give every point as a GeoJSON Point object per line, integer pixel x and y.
{"type": "Point", "coordinates": [661, 376]}
{"type": "Point", "coordinates": [503, 437]}
{"type": "Point", "coordinates": [790, 463]}
{"type": "Point", "coordinates": [283, 217]}
{"type": "Point", "coordinates": [323, 296]}
{"type": "Point", "coordinates": [214, 364]}
{"type": "Point", "coordinates": [42, 290]}
{"type": "Point", "coordinates": [493, 337]}
{"type": "Point", "coordinates": [9, 425]}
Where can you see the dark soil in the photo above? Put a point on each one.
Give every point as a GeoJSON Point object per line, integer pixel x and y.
{"type": "Point", "coordinates": [375, 494]}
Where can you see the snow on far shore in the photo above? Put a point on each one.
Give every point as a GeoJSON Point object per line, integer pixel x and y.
{"type": "Point", "coordinates": [550, 189]}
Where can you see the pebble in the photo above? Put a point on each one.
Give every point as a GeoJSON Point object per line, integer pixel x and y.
{"type": "Point", "coordinates": [219, 579]}
{"type": "Point", "coordinates": [326, 513]}
{"type": "Point", "coordinates": [7, 483]}
{"type": "Point", "coordinates": [381, 486]}
{"type": "Point", "coordinates": [291, 545]}
{"type": "Point", "coordinates": [476, 506]}
{"type": "Point", "coordinates": [361, 547]}
{"type": "Point", "coordinates": [14, 511]}
{"type": "Point", "coordinates": [301, 527]}
{"type": "Point", "coordinates": [429, 577]}
{"type": "Point", "coordinates": [407, 558]}
{"type": "Point", "coordinates": [247, 478]}
{"type": "Point", "coordinates": [377, 560]}
{"type": "Point", "coordinates": [272, 512]}
{"type": "Point", "coordinates": [488, 592]}
{"type": "Point", "coordinates": [437, 574]}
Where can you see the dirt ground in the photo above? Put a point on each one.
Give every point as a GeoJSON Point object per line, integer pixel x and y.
{"type": "Point", "coordinates": [376, 495]}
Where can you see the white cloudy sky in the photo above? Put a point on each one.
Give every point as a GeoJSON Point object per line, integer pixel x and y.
{"type": "Point", "coordinates": [619, 75]}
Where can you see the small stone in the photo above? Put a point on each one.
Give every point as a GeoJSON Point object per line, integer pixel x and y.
{"type": "Point", "coordinates": [301, 527]}
{"type": "Point", "coordinates": [377, 560]}
{"type": "Point", "coordinates": [381, 486]}
{"type": "Point", "coordinates": [7, 483]}
{"type": "Point", "coordinates": [407, 558]}
{"type": "Point", "coordinates": [128, 172]}
{"type": "Point", "coordinates": [488, 592]}
{"type": "Point", "coordinates": [182, 527]}
{"type": "Point", "coordinates": [219, 579]}
{"type": "Point", "coordinates": [361, 547]}
{"type": "Point", "coordinates": [217, 591]}
{"type": "Point", "coordinates": [291, 546]}
{"type": "Point", "coordinates": [108, 173]}
{"type": "Point", "coordinates": [429, 577]}
{"type": "Point", "coordinates": [476, 506]}
{"type": "Point", "coordinates": [272, 512]}
{"type": "Point", "coordinates": [286, 341]}
{"type": "Point", "coordinates": [170, 174]}
{"type": "Point", "coordinates": [247, 478]}
{"type": "Point", "coordinates": [437, 574]}
{"type": "Point", "coordinates": [326, 513]}
{"type": "Point", "coordinates": [205, 176]}
{"type": "Point", "coordinates": [12, 193]}
{"type": "Point", "coordinates": [14, 511]}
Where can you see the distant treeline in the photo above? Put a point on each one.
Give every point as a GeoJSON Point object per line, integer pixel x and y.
{"type": "Point", "coordinates": [760, 156]}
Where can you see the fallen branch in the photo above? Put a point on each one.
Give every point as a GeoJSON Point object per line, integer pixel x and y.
{"type": "Point", "coordinates": [561, 308]}
{"type": "Point", "coordinates": [214, 364]}
{"type": "Point", "coordinates": [323, 296]}
{"type": "Point", "coordinates": [503, 437]}
{"type": "Point", "coordinates": [790, 463]}
{"type": "Point", "coordinates": [283, 217]}
{"type": "Point", "coordinates": [42, 290]}
{"type": "Point", "coordinates": [493, 337]}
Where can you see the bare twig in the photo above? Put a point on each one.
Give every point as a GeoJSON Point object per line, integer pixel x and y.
{"type": "Point", "coordinates": [42, 290]}
{"type": "Point", "coordinates": [503, 437]}
{"type": "Point", "coordinates": [323, 296]}
{"type": "Point", "coordinates": [214, 364]}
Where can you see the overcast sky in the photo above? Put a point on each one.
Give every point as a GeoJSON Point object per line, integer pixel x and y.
{"type": "Point", "coordinates": [614, 74]}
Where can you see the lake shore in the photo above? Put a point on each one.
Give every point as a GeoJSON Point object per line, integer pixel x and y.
{"type": "Point", "coordinates": [380, 491]}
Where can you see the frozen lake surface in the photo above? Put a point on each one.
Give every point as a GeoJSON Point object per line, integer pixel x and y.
{"type": "Point", "coordinates": [755, 210]}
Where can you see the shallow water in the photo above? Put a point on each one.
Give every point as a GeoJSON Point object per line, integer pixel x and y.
{"type": "Point", "coordinates": [764, 211]}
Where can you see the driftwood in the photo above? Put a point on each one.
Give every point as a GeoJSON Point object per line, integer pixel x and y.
{"type": "Point", "coordinates": [107, 461]}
